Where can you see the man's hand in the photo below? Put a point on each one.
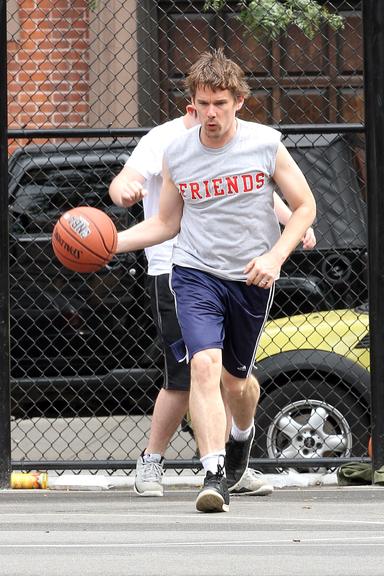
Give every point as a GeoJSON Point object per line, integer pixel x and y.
{"type": "Point", "coordinates": [131, 192]}
{"type": "Point", "coordinates": [309, 240]}
{"type": "Point", "coordinates": [127, 187]}
{"type": "Point", "coordinates": [263, 270]}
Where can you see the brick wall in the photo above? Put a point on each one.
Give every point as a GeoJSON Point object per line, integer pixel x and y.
{"type": "Point", "coordinates": [48, 70]}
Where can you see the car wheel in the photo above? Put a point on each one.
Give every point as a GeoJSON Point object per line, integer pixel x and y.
{"type": "Point", "coordinates": [310, 420]}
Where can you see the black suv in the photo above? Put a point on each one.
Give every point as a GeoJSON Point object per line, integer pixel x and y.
{"type": "Point", "coordinates": [79, 343]}
{"type": "Point", "coordinates": [86, 344]}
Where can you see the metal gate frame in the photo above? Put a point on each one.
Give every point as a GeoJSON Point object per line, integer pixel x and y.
{"type": "Point", "coordinates": [373, 18]}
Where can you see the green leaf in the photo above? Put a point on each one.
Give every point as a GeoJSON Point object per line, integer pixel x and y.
{"type": "Point", "coordinates": [272, 17]}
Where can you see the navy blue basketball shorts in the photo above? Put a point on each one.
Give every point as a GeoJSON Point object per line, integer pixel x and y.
{"type": "Point", "coordinates": [217, 313]}
{"type": "Point", "coordinates": [176, 374]}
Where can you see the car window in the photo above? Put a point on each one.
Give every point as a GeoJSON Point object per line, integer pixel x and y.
{"type": "Point", "coordinates": [328, 164]}
{"type": "Point", "coordinates": [44, 193]}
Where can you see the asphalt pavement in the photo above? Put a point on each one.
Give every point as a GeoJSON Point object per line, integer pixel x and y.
{"type": "Point", "coordinates": [312, 531]}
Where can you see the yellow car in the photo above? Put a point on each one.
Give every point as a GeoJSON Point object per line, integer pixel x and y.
{"type": "Point", "coordinates": [313, 370]}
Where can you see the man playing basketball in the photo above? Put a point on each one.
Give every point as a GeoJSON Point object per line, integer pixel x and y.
{"type": "Point", "coordinates": [143, 168]}
{"type": "Point", "coordinates": [217, 195]}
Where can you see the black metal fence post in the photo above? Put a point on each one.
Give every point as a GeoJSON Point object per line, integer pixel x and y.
{"type": "Point", "coordinates": [5, 430]}
{"type": "Point", "coordinates": [373, 16]}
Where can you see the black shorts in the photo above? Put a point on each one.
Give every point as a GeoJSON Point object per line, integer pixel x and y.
{"type": "Point", "coordinates": [176, 374]}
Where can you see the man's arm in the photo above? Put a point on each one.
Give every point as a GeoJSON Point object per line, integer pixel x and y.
{"type": "Point", "coordinates": [159, 228]}
{"type": "Point", "coordinates": [127, 187]}
{"type": "Point", "coordinates": [263, 270]}
{"type": "Point", "coordinates": [284, 213]}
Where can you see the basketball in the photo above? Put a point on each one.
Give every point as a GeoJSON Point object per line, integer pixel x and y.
{"type": "Point", "coordinates": [84, 239]}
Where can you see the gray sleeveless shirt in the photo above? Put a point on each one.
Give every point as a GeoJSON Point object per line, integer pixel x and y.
{"type": "Point", "coordinates": [228, 216]}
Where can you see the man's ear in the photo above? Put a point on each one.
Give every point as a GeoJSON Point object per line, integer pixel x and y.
{"type": "Point", "coordinates": [191, 110]}
{"type": "Point", "coordinates": [239, 103]}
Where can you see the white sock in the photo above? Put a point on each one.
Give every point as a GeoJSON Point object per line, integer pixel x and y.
{"type": "Point", "coordinates": [211, 461]}
{"type": "Point", "coordinates": [240, 435]}
{"type": "Point", "coordinates": [151, 458]}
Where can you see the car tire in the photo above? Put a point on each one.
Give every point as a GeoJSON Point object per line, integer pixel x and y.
{"type": "Point", "coordinates": [307, 419]}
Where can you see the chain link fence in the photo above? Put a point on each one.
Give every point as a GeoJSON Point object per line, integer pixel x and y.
{"type": "Point", "coordinates": [86, 79]}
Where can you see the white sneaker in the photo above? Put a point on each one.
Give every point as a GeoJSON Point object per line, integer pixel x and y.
{"type": "Point", "coordinates": [148, 478]}
{"type": "Point", "coordinates": [253, 484]}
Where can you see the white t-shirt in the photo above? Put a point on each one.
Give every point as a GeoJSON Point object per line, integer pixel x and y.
{"type": "Point", "coordinates": [147, 159]}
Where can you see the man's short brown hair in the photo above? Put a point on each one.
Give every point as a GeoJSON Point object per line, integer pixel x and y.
{"type": "Point", "coordinates": [215, 71]}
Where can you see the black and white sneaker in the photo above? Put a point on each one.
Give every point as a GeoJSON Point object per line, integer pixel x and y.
{"type": "Point", "coordinates": [236, 459]}
{"type": "Point", "coordinates": [214, 495]}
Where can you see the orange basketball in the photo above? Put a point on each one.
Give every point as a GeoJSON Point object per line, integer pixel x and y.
{"type": "Point", "coordinates": [84, 239]}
